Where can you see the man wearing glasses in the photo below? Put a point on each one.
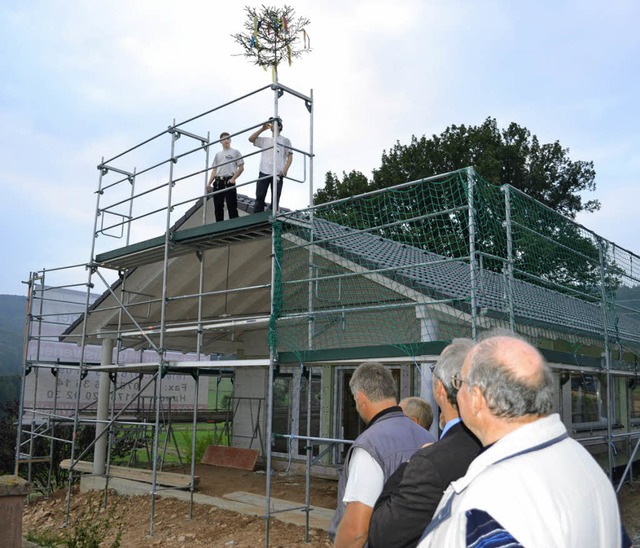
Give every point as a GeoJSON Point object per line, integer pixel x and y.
{"type": "Point", "coordinates": [412, 494]}
{"type": "Point", "coordinates": [532, 485]}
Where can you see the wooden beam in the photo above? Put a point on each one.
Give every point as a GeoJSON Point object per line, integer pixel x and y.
{"type": "Point", "coordinates": [167, 479]}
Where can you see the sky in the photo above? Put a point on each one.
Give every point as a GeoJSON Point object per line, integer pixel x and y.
{"type": "Point", "coordinates": [82, 81]}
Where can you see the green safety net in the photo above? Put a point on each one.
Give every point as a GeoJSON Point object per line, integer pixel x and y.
{"type": "Point", "coordinates": [400, 270]}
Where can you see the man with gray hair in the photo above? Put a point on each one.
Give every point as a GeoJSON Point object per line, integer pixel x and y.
{"type": "Point", "coordinates": [412, 494]}
{"type": "Point", "coordinates": [389, 439]}
{"type": "Point", "coordinates": [532, 485]}
{"type": "Point", "coordinates": [418, 410]}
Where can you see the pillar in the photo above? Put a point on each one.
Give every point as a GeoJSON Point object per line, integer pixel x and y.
{"type": "Point", "coordinates": [102, 413]}
{"type": "Point", "coordinates": [13, 490]}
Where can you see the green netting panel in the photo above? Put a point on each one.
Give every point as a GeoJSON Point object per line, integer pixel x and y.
{"type": "Point", "coordinates": [447, 257]}
{"type": "Point", "coordinates": [622, 273]}
{"type": "Point", "coordinates": [390, 268]}
{"type": "Point", "coordinates": [563, 280]}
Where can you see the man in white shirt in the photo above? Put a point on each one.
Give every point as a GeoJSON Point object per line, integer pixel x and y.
{"type": "Point", "coordinates": [283, 156]}
{"type": "Point", "coordinates": [532, 485]}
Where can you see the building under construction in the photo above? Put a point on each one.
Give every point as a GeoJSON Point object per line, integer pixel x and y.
{"type": "Point", "coordinates": [280, 306]}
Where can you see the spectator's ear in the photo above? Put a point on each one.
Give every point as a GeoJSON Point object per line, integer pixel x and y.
{"type": "Point", "coordinates": [439, 391]}
{"type": "Point", "coordinates": [477, 400]}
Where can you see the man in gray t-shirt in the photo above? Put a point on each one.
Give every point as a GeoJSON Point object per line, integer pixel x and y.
{"type": "Point", "coordinates": [226, 168]}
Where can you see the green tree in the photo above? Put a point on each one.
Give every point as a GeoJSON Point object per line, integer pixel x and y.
{"type": "Point", "coordinates": [13, 309]}
{"type": "Point", "coordinates": [352, 184]}
{"type": "Point", "coordinates": [8, 425]}
{"type": "Point", "coordinates": [512, 156]}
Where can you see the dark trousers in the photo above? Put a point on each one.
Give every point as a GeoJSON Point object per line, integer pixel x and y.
{"type": "Point", "coordinates": [231, 196]}
{"type": "Point", "coordinates": [265, 181]}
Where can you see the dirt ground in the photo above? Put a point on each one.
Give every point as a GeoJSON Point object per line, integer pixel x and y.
{"type": "Point", "coordinates": [211, 526]}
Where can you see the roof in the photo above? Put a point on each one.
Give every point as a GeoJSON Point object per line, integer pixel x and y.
{"type": "Point", "coordinates": [239, 260]}
{"type": "Point", "coordinates": [445, 278]}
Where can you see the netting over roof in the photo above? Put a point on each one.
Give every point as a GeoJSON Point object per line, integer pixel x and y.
{"type": "Point", "coordinates": [447, 257]}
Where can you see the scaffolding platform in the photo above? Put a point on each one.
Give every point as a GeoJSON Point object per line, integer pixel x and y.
{"type": "Point", "coordinates": [188, 240]}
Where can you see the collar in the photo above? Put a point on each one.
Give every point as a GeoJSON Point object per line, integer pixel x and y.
{"type": "Point", "coordinates": [392, 409]}
{"type": "Point", "coordinates": [448, 426]}
{"type": "Point", "coordinates": [531, 437]}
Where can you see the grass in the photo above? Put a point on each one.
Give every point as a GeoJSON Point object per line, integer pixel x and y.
{"type": "Point", "coordinates": [180, 441]}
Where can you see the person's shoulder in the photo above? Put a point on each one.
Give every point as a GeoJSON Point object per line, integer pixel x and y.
{"type": "Point", "coordinates": [457, 444]}
{"type": "Point", "coordinates": [460, 435]}
{"type": "Point", "coordinates": [362, 458]}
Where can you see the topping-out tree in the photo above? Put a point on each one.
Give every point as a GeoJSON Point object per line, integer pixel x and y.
{"type": "Point", "coordinates": [273, 35]}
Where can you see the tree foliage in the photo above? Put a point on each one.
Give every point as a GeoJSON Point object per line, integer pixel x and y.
{"type": "Point", "coordinates": [502, 156]}
{"type": "Point", "coordinates": [548, 247]}
{"type": "Point", "coordinates": [352, 184]}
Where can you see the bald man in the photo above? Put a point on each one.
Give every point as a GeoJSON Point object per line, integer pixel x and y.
{"type": "Point", "coordinates": [532, 485]}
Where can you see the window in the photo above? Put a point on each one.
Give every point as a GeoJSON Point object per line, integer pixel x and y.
{"type": "Point", "coordinates": [634, 401]}
{"type": "Point", "coordinates": [290, 404]}
{"type": "Point", "coordinates": [588, 399]}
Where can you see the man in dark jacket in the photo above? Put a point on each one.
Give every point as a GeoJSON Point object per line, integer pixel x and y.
{"type": "Point", "coordinates": [412, 493]}
{"type": "Point", "coordinates": [389, 440]}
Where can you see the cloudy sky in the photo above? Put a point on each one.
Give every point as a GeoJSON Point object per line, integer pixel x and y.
{"type": "Point", "coordinates": [86, 80]}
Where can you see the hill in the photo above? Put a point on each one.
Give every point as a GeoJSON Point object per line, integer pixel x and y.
{"type": "Point", "coordinates": [12, 315]}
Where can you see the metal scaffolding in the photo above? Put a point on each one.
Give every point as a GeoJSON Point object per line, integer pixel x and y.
{"type": "Point", "coordinates": [304, 296]}
{"type": "Point", "coordinates": [130, 205]}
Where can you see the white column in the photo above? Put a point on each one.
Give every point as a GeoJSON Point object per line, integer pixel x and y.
{"type": "Point", "coordinates": [428, 332]}
{"type": "Point", "coordinates": [102, 413]}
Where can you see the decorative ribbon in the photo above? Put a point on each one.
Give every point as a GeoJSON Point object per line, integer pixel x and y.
{"type": "Point", "coordinates": [254, 38]}
{"type": "Point", "coordinates": [289, 54]}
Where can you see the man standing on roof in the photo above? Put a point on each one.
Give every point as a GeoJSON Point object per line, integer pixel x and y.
{"type": "Point", "coordinates": [226, 168]}
{"type": "Point", "coordinates": [532, 485]}
{"type": "Point", "coordinates": [389, 439]}
{"type": "Point", "coordinates": [284, 157]}
{"type": "Point", "coordinates": [413, 492]}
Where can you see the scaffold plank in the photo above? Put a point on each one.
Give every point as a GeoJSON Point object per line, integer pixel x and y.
{"type": "Point", "coordinates": [168, 479]}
